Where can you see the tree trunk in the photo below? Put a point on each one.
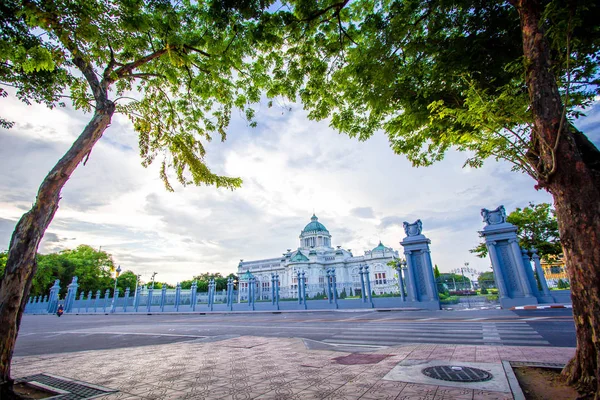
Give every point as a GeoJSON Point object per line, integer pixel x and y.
{"type": "Point", "coordinates": [569, 167]}
{"type": "Point", "coordinates": [21, 264]}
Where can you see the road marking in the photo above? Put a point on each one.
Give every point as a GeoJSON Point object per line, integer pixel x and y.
{"type": "Point", "coordinates": [354, 345]}
{"type": "Point", "coordinates": [475, 319]}
{"type": "Point", "coordinates": [535, 318]}
{"type": "Point", "coordinates": [128, 333]}
{"type": "Point", "coordinates": [426, 319]}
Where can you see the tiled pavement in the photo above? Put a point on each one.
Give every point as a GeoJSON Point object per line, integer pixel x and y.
{"type": "Point", "coordinates": [267, 368]}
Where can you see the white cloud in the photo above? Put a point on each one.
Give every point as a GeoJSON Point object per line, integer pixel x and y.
{"type": "Point", "coordinates": [290, 166]}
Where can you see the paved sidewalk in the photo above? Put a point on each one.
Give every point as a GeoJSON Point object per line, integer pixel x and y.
{"type": "Point", "coordinates": [269, 368]}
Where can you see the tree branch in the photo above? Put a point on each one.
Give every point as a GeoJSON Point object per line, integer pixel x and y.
{"type": "Point", "coordinates": [127, 68]}
{"type": "Point", "coordinates": [317, 14]}
{"type": "Point", "coordinates": [185, 46]}
{"type": "Point", "coordinates": [143, 75]}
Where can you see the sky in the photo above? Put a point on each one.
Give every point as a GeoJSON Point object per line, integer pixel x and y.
{"type": "Point", "coordinates": [291, 167]}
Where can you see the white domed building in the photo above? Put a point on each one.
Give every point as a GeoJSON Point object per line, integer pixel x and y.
{"type": "Point", "coordinates": [314, 256]}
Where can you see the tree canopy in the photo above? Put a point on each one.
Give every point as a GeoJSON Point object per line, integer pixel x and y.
{"type": "Point", "coordinates": [537, 228]}
{"type": "Point", "coordinates": [433, 75]}
{"type": "Point", "coordinates": [91, 266]}
{"type": "Point", "coordinates": [176, 70]}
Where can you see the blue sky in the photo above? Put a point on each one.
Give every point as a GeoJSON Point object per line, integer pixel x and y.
{"type": "Point", "coordinates": [361, 192]}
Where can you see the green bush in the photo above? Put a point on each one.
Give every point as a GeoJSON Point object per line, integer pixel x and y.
{"type": "Point", "coordinates": [484, 290]}
{"type": "Point", "coordinates": [492, 297]}
{"type": "Point", "coordinates": [450, 300]}
{"type": "Point", "coordinates": [563, 284]}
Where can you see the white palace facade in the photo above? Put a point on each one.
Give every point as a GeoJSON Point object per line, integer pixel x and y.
{"type": "Point", "coordinates": [314, 256]}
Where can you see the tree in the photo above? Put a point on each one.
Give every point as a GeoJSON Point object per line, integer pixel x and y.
{"type": "Point", "coordinates": [127, 279]}
{"type": "Point", "coordinates": [486, 280]}
{"type": "Point", "coordinates": [494, 79]}
{"type": "Point", "coordinates": [436, 272]}
{"type": "Point", "coordinates": [537, 227]}
{"type": "Point", "coordinates": [175, 69]}
{"type": "Point", "coordinates": [454, 281]}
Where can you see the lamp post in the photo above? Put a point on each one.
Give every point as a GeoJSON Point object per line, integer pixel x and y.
{"type": "Point", "coordinates": [117, 272]}
{"type": "Point", "coordinates": [401, 265]}
{"type": "Point", "coordinates": [153, 275]}
{"type": "Point", "coordinates": [137, 282]}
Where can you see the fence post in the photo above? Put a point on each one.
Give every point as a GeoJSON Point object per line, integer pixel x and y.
{"type": "Point", "coordinates": [53, 301]}
{"type": "Point", "coordinates": [273, 289]}
{"type": "Point", "coordinates": [87, 302]}
{"type": "Point", "coordinates": [229, 294]}
{"type": "Point", "coordinates": [334, 284]}
{"type": "Point", "coordinates": [163, 297]}
{"type": "Point", "coordinates": [362, 284]}
{"type": "Point", "coordinates": [211, 293]}
{"type": "Point", "coordinates": [106, 294]}
{"type": "Point", "coordinates": [251, 292]}
{"type": "Point", "coordinates": [125, 300]}
{"type": "Point", "coordinates": [71, 293]}
{"type": "Point", "coordinates": [368, 279]}
{"type": "Point", "coordinates": [149, 299]}
{"type": "Point", "coordinates": [540, 272]}
{"type": "Point", "coordinates": [277, 290]}
{"type": "Point", "coordinates": [81, 299]}
{"type": "Point", "coordinates": [177, 296]}
{"type": "Point", "coordinates": [96, 300]}
{"type": "Point", "coordinates": [400, 280]}
{"type": "Point", "coordinates": [193, 293]}
{"type": "Point", "coordinates": [329, 284]}
{"type": "Point", "coordinates": [115, 299]}
{"type": "Point", "coordinates": [304, 289]}
{"type": "Point", "coordinates": [136, 301]}
{"type": "Point", "coordinates": [299, 281]}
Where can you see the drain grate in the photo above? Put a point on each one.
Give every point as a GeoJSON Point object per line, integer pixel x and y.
{"type": "Point", "coordinates": [75, 390]}
{"type": "Point", "coordinates": [457, 374]}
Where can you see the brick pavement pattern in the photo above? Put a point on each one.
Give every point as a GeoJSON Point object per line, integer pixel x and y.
{"type": "Point", "coordinates": [268, 368]}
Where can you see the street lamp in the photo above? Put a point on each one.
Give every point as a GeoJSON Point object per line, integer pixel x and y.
{"type": "Point", "coordinates": [137, 282]}
{"type": "Point", "coordinates": [117, 273]}
{"type": "Point", "coordinates": [153, 275]}
{"type": "Point", "coordinates": [400, 266]}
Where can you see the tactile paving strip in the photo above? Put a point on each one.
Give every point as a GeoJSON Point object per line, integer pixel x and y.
{"type": "Point", "coordinates": [76, 389]}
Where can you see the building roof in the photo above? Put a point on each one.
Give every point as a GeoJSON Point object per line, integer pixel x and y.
{"type": "Point", "coordinates": [299, 257]}
{"type": "Point", "coordinates": [315, 225]}
{"type": "Point", "coordinates": [380, 247]}
{"type": "Point", "coordinates": [247, 276]}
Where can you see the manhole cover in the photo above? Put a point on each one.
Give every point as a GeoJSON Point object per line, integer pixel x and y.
{"type": "Point", "coordinates": [457, 373]}
{"type": "Point", "coordinates": [358, 358]}
{"type": "Point", "coordinates": [67, 389]}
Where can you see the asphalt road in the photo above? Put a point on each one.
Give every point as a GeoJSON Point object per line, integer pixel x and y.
{"type": "Point", "coordinates": [46, 334]}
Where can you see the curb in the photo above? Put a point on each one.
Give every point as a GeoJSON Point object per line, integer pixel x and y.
{"type": "Point", "coordinates": [542, 307]}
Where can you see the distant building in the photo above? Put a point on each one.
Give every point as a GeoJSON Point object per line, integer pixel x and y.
{"type": "Point", "coordinates": [314, 256]}
{"type": "Point", "coordinates": [554, 269]}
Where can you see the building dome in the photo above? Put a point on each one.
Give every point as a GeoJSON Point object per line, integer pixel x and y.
{"type": "Point", "coordinates": [314, 226]}
{"type": "Point", "coordinates": [315, 235]}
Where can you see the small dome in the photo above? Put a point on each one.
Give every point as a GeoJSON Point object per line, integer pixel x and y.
{"type": "Point", "coordinates": [314, 226]}
{"type": "Point", "coordinates": [380, 247]}
{"type": "Point", "coordinates": [247, 276]}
